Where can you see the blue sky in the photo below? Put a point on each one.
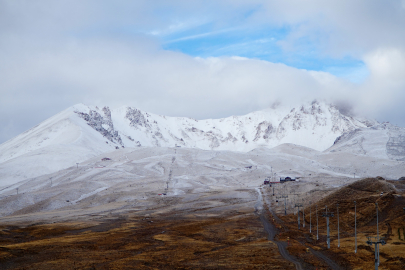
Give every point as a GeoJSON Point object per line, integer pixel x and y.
{"type": "Point", "coordinates": [262, 43]}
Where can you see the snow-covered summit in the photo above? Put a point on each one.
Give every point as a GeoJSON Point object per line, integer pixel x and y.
{"type": "Point", "coordinates": [314, 125]}
{"type": "Point", "coordinates": [65, 129]}
{"type": "Point", "coordinates": [82, 132]}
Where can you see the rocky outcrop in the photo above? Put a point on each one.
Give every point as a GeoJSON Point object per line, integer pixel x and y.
{"type": "Point", "coordinates": [136, 118]}
{"type": "Point", "coordinates": [103, 124]}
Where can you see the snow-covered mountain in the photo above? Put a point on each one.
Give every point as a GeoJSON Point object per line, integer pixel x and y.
{"type": "Point", "coordinates": [81, 132]}
{"type": "Point", "coordinates": [384, 141]}
{"type": "Point", "coordinates": [190, 177]}
{"type": "Point", "coordinates": [316, 126]}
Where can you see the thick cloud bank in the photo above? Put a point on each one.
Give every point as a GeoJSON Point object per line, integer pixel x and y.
{"type": "Point", "coordinates": [58, 53]}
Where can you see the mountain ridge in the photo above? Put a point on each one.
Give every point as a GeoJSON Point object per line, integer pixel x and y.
{"type": "Point", "coordinates": [82, 132]}
{"type": "Point", "coordinates": [241, 133]}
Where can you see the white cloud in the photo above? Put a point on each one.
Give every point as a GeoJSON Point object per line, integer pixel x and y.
{"type": "Point", "coordinates": [384, 92]}
{"type": "Point", "coordinates": [387, 64]}
{"type": "Point", "coordinates": [142, 75]}
{"type": "Point", "coordinates": [58, 53]}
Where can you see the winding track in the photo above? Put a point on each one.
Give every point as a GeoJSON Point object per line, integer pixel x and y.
{"type": "Point", "coordinates": [283, 245]}
{"type": "Point", "coordinates": [271, 232]}
{"type": "Point", "coordinates": [330, 262]}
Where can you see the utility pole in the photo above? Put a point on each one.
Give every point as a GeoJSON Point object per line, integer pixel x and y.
{"type": "Point", "coordinates": [310, 215]}
{"type": "Point", "coordinates": [376, 242]}
{"type": "Point", "coordinates": [338, 225]}
{"type": "Point", "coordinates": [378, 234]}
{"type": "Point", "coordinates": [298, 214]}
{"type": "Point", "coordinates": [327, 215]}
{"type": "Point", "coordinates": [317, 234]}
{"type": "Point", "coordinates": [355, 229]}
{"type": "Point", "coordinates": [285, 202]}
{"type": "Point", "coordinates": [294, 194]}
{"type": "Point", "coordinates": [273, 189]}
{"type": "Point", "coordinates": [303, 214]}
{"type": "Point", "coordinates": [294, 206]}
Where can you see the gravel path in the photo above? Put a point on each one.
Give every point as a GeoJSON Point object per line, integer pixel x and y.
{"type": "Point", "coordinates": [271, 232]}
{"type": "Point", "coordinates": [282, 245]}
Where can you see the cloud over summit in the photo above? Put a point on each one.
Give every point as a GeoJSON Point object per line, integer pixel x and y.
{"type": "Point", "coordinates": [56, 54]}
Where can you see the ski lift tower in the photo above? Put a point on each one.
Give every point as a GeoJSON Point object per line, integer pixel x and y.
{"type": "Point", "coordinates": [327, 215]}
{"type": "Point", "coordinates": [298, 214]}
{"type": "Point", "coordinates": [376, 240]}
{"type": "Point", "coordinates": [285, 202]}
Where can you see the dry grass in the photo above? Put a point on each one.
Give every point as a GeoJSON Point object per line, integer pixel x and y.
{"type": "Point", "coordinates": [162, 242]}
{"type": "Point", "coordinates": [366, 193]}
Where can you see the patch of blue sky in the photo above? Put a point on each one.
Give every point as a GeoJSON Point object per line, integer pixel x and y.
{"type": "Point", "coordinates": [351, 70]}
{"type": "Point", "coordinates": [264, 44]}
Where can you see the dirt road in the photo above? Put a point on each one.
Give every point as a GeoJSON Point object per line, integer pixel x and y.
{"type": "Point", "coordinates": [272, 231]}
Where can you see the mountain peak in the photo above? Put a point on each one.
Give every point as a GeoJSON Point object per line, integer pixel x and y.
{"type": "Point", "coordinates": [81, 132]}
{"type": "Point", "coordinates": [315, 125]}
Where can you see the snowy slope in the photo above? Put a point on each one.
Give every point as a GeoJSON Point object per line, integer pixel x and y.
{"type": "Point", "coordinates": [315, 125]}
{"type": "Point", "coordinates": [57, 143]}
{"type": "Point", "coordinates": [64, 129]}
{"type": "Point", "coordinates": [81, 132]}
{"type": "Point", "coordinates": [384, 141]}
{"type": "Point", "coordinates": [134, 177]}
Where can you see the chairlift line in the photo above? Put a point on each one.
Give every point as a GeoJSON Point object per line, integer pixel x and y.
{"type": "Point", "coordinates": [328, 215]}
{"type": "Point", "coordinates": [298, 205]}
{"type": "Point", "coordinates": [310, 217]}
{"type": "Point", "coordinates": [317, 231]}
{"type": "Point", "coordinates": [338, 225]}
{"type": "Point", "coordinates": [355, 228]}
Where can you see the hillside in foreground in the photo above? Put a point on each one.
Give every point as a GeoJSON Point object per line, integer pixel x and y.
{"type": "Point", "coordinates": [390, 197]}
